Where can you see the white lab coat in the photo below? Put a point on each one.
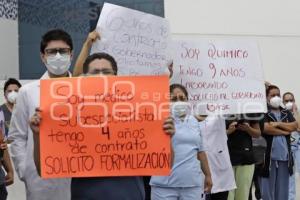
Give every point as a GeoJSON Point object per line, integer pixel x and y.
{"type": "Point", "coordinates": [22, 148]}
{"type": "Point", "coordinates": [214, 136]}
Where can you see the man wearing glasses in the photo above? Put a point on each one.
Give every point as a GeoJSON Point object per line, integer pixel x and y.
{"type": "Point", "coordinates": [56, 54]}
{"type": "Point", "coordinates": [95, 188]}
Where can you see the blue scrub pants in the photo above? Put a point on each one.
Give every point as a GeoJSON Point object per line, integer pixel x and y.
{"type": "Point", "coordinates": [176, 193]}
{"type": "Point", "coordinates": [292, 189]}
{"type": "Point", "coordinates": [276, 186]}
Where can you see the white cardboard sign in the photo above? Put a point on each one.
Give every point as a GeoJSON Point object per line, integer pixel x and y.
{"type": "Point", "coordinates": [222, 77]}
{"type": "Point", "coordinates": [138, 41]}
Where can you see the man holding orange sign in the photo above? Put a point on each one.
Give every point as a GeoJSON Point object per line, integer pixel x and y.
{"type": "Point", "coordinates": [130, 115]}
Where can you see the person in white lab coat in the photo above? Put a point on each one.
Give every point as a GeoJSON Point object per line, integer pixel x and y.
{"type": "Point", "coordinates": [213, 130]}
{"type": "Point", "coordinates": [56, 53]}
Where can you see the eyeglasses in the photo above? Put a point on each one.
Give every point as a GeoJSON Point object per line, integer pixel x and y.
{"type": "Point", "coordinates": [101, 71]}
{"type": "Point", "coordinates": [61, 51]}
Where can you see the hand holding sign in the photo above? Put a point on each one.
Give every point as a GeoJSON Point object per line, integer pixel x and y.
{"type": "Point", "coordinates": [35, 121]}
{"type": "Point", "coordinates": [137, 40]}
{"type": "Point", "coordinates": [92, 37]}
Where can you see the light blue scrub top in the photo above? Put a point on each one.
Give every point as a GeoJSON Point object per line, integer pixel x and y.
{"type": "Point", "coordinates": [279, 146]}
{"type": "Point", "coordinates": [186, 142]}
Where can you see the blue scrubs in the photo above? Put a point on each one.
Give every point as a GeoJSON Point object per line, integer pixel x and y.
{"type": "Point", "coordinates": [186, 171]}
{"type": "Point", "coordinates": [276, 186]}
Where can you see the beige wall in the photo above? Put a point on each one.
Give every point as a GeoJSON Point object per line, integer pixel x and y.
{"type": "Point", "coordinates": [274, 24]}
{"type": "Point", "coordinates": [9, 50]}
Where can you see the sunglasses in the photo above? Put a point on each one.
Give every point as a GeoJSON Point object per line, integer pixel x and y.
{"type": "Point", "coordinates": [61, 51]}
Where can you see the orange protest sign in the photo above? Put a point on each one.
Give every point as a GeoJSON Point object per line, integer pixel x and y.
{"type": "Point", "coordinates": [104, 126]}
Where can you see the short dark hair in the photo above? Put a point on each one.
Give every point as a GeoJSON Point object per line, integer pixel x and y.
{"type": "Point", "coordinates": [11, 81]}
{"type": "Point", "coordinates": [271, 87]}
{"type": "Point", "coordinates": [288, 93]}
{"type": "Point", "coordinates": [100, 56]}
{"type": "Point", "coordinates": [55, 34]}
{"type": "Point", "coordinates": [179, 86]}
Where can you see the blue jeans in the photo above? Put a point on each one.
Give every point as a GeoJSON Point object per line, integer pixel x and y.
{"type": "Point", "coordinates": [276, 186]}
{"type": "Point", "coordinates": [292, 182]}
{"type": "Point", "coordinates": [297, 159]}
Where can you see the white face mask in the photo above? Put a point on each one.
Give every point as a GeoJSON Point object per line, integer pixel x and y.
{"type": "Point", "coordinates": [58, 64]}
{"type": "Point", "coordinates": [180, 109]}
{"type": "Point", "coordinates": [289, 105]}
{"type": "Point", "coordinates": [12, 96]}
{"type": "Point", "coordinates": [275, 102]}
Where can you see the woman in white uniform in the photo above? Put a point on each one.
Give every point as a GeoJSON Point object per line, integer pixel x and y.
{"type": "Point", "coordinates": [185, 181]}
{"type": "Point", "coordinates": [214, 136]}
